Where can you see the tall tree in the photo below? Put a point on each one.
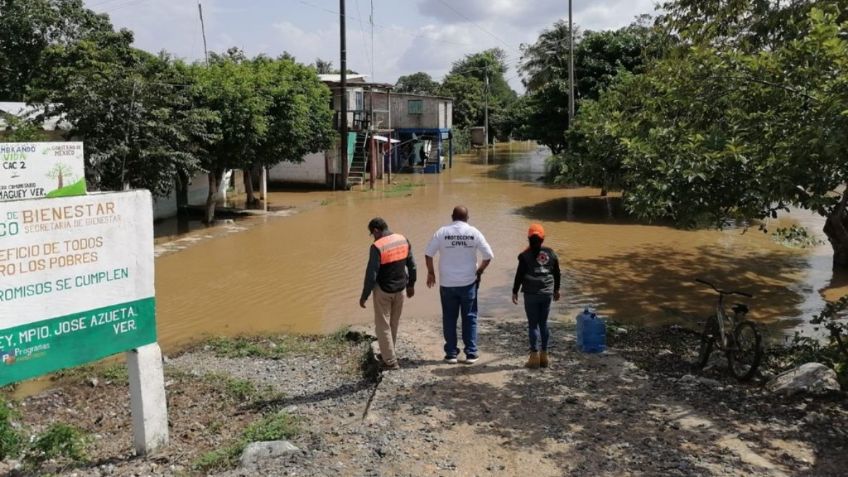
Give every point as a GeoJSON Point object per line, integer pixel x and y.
{"type": "Point", "coordinates": [30, 27]}
{"type": "Point", "coordinates": [546, 60]}
{"type": "Point", "coordinates": [466, 84]}
{"type": "Point", "coordinates": [599, 56]}
{"type": "Point", "coordinates": [419, 83]}
{"type": "Point", "coordinates": [716, 131]}
{"type": "Point", "coordinates": [131, 108]}
{"type": "Point", "coordinates": [228, 87]}
{"type": "Point", "coordinates": [468, 99]}
{"type": "Point", "coordinates": [299, 116]}
{"type": "Point", "coordinates": [271, 110]}
{"type": "Point", "coordinates": [323, 67]}
{"type": "Point", "coordinates": [743, 25]}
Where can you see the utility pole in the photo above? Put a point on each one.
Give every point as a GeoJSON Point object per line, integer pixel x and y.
{"type": "Point", "coordinates": [570, 67]}
{"type": "Point", "coordinates": [371, 20]}
{"type": "Point", "coordinates": [343, 118]}
{"type": "Point", "coordinates": [486, 118]}
{"type": "Point", "coordinates": [203, 30]}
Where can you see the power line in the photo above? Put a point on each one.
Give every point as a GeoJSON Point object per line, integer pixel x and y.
{"type": "Point", "coordinates": [385, 27]}
{"type": "Point", "coordinates": [443, 2]}
{"type": "Point", "coordinates": [100, 4]}
{"type": "Point", "coordinates": [125, 3]}
{"type": "Point", "coordinates": [362, 34]}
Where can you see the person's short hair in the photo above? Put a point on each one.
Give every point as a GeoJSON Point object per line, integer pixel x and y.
{"type": "Point", "coordinates": [378, 223]}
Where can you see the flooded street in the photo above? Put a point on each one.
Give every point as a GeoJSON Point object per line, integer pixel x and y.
{"type": "Point", "coordinates": [303, 273]}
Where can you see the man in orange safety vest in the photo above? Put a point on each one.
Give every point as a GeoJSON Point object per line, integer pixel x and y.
{"type": "Point", "coordinates": [390, 272]}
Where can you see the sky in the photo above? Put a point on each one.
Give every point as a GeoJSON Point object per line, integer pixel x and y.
{"type": "Point", "coordinates": [408, 35]}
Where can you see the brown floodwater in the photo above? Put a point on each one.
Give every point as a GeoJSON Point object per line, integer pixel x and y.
{"type": "Point", "coordinates": [304, 273]}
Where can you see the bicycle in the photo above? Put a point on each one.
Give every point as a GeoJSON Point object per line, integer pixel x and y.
{"type": "Point", "coordinates": [734, 335]}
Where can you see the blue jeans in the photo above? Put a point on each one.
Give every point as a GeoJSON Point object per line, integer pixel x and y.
{"type": "Point", "coordinates": [456, 300]}
{"type": "Point", "coordinates": [537, 307]}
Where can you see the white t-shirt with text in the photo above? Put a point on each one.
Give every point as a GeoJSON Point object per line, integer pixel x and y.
{"type": "Point", "coordinates": [457, 245]}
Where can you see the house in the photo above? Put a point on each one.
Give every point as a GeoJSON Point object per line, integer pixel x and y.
{"type": "Point", "coordinates": [423, 126]}
{"type": "Point", "coordinates": [383, 136]}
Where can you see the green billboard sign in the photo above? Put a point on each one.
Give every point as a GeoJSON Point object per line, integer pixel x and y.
{"type": "Point", "coordinates": [76, 281]}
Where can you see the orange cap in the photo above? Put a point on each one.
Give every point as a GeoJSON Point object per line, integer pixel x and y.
{"type": "Point", "coordinates": [536, 229]}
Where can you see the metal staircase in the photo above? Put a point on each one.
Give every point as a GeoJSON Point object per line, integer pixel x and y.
{"type": "Point", "coordinates": [359, 163]}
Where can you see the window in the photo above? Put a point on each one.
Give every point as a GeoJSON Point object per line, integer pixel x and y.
{"type": "Point", "coordinates": [415, 106]}
{"type": "Point", "coordinates": [360, 101]}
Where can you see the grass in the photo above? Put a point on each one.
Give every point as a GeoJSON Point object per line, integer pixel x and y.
{"type": "Point", "coordinates": [11, 439]}
{"type": "Point", "coordinates": [401, 189]}
{"type": "Point", "coordinates": [77, 188]}
{"type": "Point", "coordinates": [274, 427]}
{"type": "Point", "coordinates": [111, 371]}
{"type": "Point", "coordinates": [241, 390]}
{"type": "Point", "coordinates": [342, 344]}
{"type": "Point", "coordinates": [279, 346]}
{"type": "Point", "coordinates": [57, 441]}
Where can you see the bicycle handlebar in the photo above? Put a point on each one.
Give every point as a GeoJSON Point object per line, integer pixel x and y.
{"type": "Point", "coordinates": [724, 292]}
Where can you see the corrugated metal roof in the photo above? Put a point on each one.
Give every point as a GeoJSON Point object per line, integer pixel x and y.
{"type": "Point", "coordinates": [337, 78]}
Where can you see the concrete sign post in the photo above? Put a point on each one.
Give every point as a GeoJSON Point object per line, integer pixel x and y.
{"type": "Point", "coordinates": [76, 285]}
{"type": "Point", "coordinates": [147, 399]}
{"type": "Point", "coordinates": [32, 170]}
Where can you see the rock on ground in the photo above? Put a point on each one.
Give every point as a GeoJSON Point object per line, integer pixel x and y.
{"type": "Point", "coordinates": [259, 451]}
{"type": "Point", "coordinates": [811, 378]}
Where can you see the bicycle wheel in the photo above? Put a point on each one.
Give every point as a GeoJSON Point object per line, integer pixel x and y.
{"type": "Point", "coordinates": [746, 351]}
{"type": "Point", "coordinates": [708, 338]}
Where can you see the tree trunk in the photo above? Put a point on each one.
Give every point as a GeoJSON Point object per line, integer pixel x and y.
{"type": "Point", "coordinates": [182, 191]}
{"type": "Point", "coordinates": [836, 229]}
{"type": "Point", "coordinates": [61, 180]}
{"type": "Point", "coordinates": [247, 172]}
{"type": "Point", "coordinates": [215, 179]}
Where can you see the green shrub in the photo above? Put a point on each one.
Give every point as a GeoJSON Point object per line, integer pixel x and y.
{"type": "Point", "coordinates": [11, 440]}
{"type": "Point", "coordinates": [59, 440]}
{"type": "Point", "coordinates": [274, 427]}
{"type": "Point", "coordinates": [271, 428]}
{"type": "Point", "coordinates": [796, 236]}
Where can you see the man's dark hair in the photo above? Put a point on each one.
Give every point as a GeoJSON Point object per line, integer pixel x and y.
{"type": "Point", "coordinates": [460, 213]}
{"type": "Point", "coordinates": [378, 223]}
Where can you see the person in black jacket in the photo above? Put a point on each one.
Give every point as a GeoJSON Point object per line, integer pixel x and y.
{"type": "Point", "coordinates": [391, 270]}
{"type": "Point", "coordinates": [538, 275]}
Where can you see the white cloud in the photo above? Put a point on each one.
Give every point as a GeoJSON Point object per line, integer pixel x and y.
{"type": "Point", "coordinates": [589, 14]}
{"type": "Point", "coordinates": [406, 40]}
{"type": "Point", "coordinates": [159, 24]}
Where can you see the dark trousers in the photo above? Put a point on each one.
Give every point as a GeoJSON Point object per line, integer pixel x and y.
{"type": "Point", "coordinates": [537, 307]}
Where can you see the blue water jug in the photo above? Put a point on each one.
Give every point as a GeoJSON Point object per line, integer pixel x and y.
{"type": "Point", "coordinates": [591, 333]}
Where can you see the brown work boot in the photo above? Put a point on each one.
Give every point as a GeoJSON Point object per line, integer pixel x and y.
{"type": "Point", "coordinates": [391, 367]}
{"type": "Point", "coordinates": [533, 360]}
{"type": "Point", "coordinates": [544, 359]}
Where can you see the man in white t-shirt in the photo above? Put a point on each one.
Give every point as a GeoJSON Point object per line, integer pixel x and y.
{"type": "Point", "coordinates": [458, 244]}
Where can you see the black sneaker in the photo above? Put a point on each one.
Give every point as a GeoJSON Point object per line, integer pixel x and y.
{"type": "Point", "coordinates": [471, 358]}
{"type": "Point", "coordinates": [450, 359]}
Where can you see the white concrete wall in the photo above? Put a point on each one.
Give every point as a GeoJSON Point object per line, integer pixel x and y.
{"type": "Point", "coordinates": [433, 116]}
{"type": "Point", "coordinates": [310, 171]}
{"type": "Point", "coordinates": [442, 112]}
{"type": "Point", "coordinates": [164, 207]}
{"type": "Point", "coordinates": [198, 189]}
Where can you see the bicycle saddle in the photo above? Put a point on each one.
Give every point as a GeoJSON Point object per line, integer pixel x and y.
{"type": "Point", "coordinates": [740, 308]}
